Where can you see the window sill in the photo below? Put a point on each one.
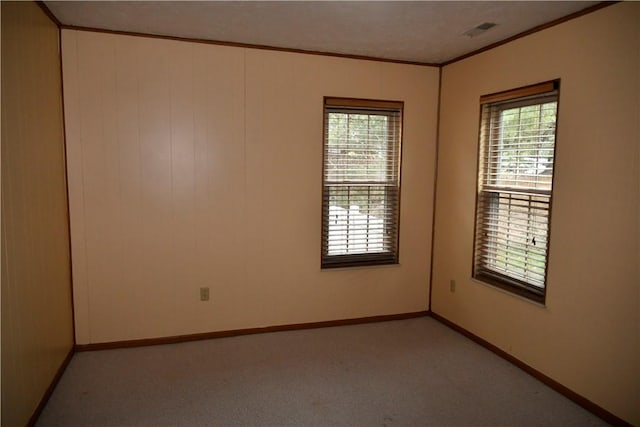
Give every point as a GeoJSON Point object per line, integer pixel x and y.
{"type": "Point", "coordinates": [511, 290]}
{"type": "Point", "coordinates": [342, 267]}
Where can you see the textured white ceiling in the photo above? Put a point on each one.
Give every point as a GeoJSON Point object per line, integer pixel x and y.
{"type": "Point", "coordinates": [420, 31]}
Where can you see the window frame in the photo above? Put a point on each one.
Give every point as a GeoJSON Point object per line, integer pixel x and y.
{"type": "Point", "coordinates": [535, 94]}
{"type": "Point", "coordinates": [364, 106]}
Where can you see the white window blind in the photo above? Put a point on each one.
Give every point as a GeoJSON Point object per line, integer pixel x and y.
{"type": "Point", "coordinates": [361, 182]}
{"type": "Point", "coordinates": [515, 176]}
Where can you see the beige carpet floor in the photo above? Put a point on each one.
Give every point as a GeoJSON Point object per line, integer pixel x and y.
{"type": "Point", "coordinates": [414, 372]}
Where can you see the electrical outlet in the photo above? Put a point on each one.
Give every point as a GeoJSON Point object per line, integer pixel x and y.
{"type": "Point", "coordinates": [452, 285]}
{"type": "Point", "coordinates": [204, 294]}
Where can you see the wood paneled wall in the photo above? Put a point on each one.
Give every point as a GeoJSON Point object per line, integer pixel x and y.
{"type": "Point", "coordinates": [37, 329]}
{"type": "Point", "coordinates": [195, 165]}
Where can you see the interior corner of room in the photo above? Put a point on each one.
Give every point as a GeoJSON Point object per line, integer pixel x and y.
{"type": "Point", "coordinates": [155, 188]}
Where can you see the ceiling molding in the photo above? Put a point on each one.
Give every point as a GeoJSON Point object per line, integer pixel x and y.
{"type": "Point", "coordinates": [558, 21]}
{"type": "Point", "coordinates": [48, 12]}
{"type": "Point", "coordinates": [522, 34]}
{"type": "Point", "coordinates": [246, 45]}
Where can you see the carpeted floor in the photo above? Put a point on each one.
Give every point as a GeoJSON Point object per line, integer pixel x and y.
{"type": "Point", "coordinates": [413, 372]}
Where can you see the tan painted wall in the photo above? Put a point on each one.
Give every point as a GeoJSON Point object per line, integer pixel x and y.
{"type": "Point", "coordinates": [197, 165]}
{"type": "Point", "coordinates": [587, 336]}
{"type": "Point", "coordinates": [37, 329]}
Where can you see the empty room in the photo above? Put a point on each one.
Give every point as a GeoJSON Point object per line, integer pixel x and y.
{"type": "Point", "coordinates": [363, 213]}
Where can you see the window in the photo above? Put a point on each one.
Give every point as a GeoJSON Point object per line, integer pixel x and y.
{"type": "Point", "coordinates": [361, 182]}
{"type": "Point", "coordinates": [515, 177]}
